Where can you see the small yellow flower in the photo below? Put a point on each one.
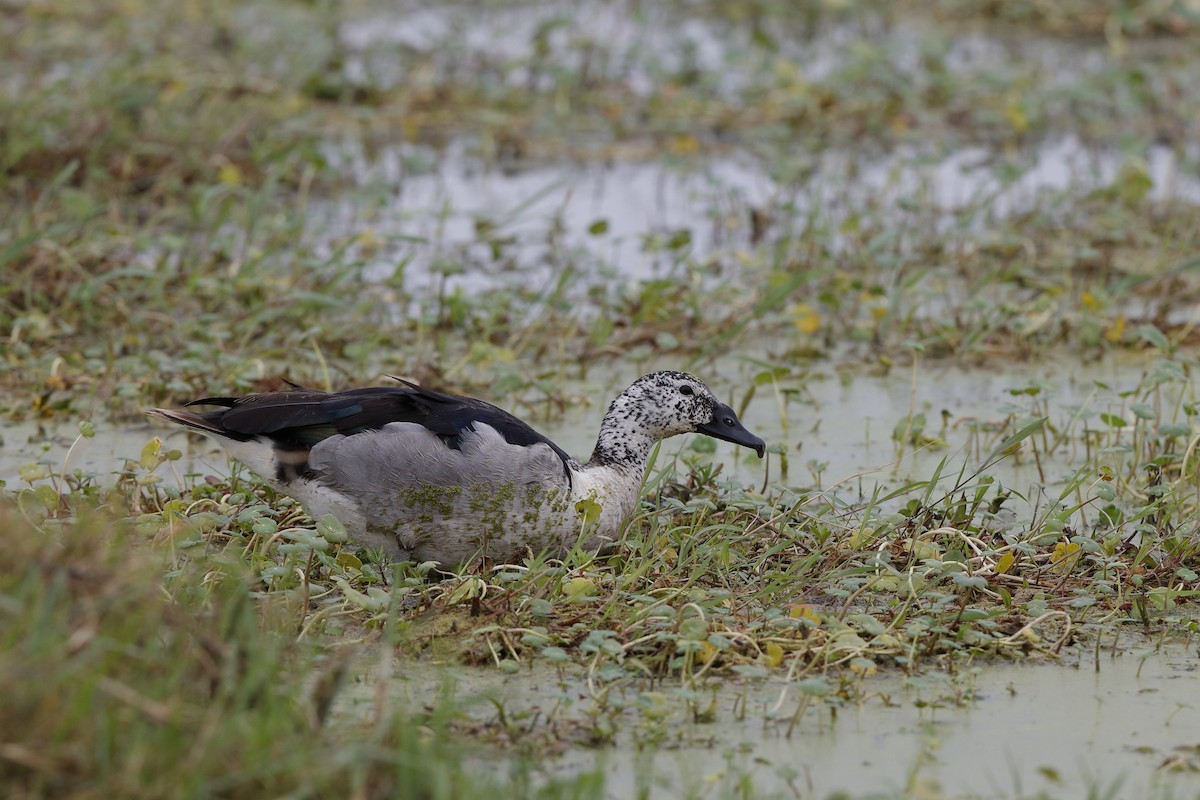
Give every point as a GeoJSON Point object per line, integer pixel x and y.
{"type": "Point", "coordinates": [806, 318]}
{"type": "Point", "coordinates": [1014, 111]}
{"type": "Point", "coordinates": [774, 655]}
{"type": "Point", "coordinates": [1064, 557]}
{"type": "Point", "coordinates": [684, 145]}
{"type": "Point", "coordinates": [862, 667]}
{"type": "Point", "coordinates": [804, 612]}
{"type": "Point", "coordinates": [1116, 331]}
{"type": "Point", "coordinates": [1063, 550]}
{"type": "Point", "coordinates": [230, 174]}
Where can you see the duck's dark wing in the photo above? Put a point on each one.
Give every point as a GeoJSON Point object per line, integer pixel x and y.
{"type": "Point", "coordinates": [300, 419]}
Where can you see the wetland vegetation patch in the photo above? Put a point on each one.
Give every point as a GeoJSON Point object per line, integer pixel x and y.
{"type": "Point", "coordinates": [786, 198]}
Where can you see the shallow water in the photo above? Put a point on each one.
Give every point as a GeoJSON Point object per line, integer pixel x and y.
{"type": "Point", "coordinates": [1042, 728]}
{"type": "Point", "coordinates": [1129, 729]}
{"type": "Point", "coordinates": [842, 422]}
{"type": "Point", "coordinates": [639, 43]}
{"type": "Point", "coordinates": [544, 217]}
{"type": "Point", "coordinates": [522, 226]}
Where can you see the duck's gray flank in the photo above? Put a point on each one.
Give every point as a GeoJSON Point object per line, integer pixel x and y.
{"type": "Point", "coordinates": [437, 477]}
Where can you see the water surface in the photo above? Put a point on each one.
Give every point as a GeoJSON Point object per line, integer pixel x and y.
{"type": "Point", "coordinates": [835, 426]}
{"type": "Point", "coordinates": [1128, 726]}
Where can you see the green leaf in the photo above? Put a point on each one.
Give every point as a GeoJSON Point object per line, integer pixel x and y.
{"type": "Point", "coordinates": [331, 529]}
{"type": "Point", "coordinates": [1154, 336]}
{"type": "Point", "coordinates": [1166, 371]}
{"type": "Point", "coordinates": [814, 687]}
{"type": "Point", "coordinates": [1174, 429]}
{"type": "Point", "coordinates": [33, 472]}
{"type": "Point", "coordinates": [679, 239]}
{"type": "Point", "coordinates": [150, 453]}
{"type": "Point", "coordinates": [555, 654]}
{"type": "Point", "coordinates": [665, 341]}
{"type": "Point", "coordinates": [46, 495]}
{"type": "Point", "coordinates": [868, 624]}
{"type": "Point", "coordinates": [1009, 445]}
{"type": "Point", "coordinates": [1143, 411]}
{"type": "Point", "coordinates": [348, 560]}
{"type": "Point", "coordinates": [589, 510]}
{"type": "Point", "coordinates": [969, 581]}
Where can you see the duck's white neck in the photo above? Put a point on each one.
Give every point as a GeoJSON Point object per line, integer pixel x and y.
{"type": "Point", "coordinates": [622, 450]}
{"type": "Point", "coordinates": [626, 437]}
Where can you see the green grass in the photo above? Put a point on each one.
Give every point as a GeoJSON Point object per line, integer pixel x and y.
{"type": "Point", "coordinates": [128, 671]}
{"type": "Point", "coordinates": [166, 175]}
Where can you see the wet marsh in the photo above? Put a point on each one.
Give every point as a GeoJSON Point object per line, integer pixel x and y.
{"type": "Point", "coordinates": [942, 257]}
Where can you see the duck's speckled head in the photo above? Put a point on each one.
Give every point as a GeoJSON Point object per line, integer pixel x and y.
{"type": "Point", "coordinates": [663, 404]}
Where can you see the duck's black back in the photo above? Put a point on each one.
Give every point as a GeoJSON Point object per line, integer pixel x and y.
{"type": "Point", "coordinates": [301, 418]}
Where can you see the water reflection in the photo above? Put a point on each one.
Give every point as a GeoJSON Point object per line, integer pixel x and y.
{"type": "Point", "coordinates": [636, 220]}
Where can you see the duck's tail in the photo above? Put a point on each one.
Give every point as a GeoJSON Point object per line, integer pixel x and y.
{"type": "Point", "coordinates": [188, 419]}
{"type": "Point", "coordinates": [256, 452]}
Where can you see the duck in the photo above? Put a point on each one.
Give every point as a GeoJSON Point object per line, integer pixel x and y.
{"type": "Point", "coordinates": [425, 476]}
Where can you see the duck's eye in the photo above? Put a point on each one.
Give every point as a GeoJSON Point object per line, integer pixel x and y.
{"type": "Point", "coordinates": [685, 389]}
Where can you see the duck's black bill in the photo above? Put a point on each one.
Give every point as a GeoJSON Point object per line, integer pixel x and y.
{"type": "Point", "coordinates": [725, 426]}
